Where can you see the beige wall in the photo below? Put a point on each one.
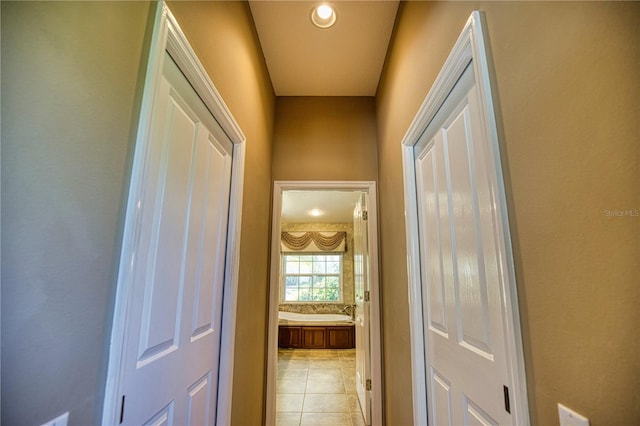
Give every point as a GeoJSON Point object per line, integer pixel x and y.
{"type": "Point", "coordinates": [325, 138]}
{"type": "Point", "coordinates": [567, 80]}
{"type": "Point", "coordinates": [69, 112]}
{"type": "Point", "coordinates": [71, 82]}
{"type": "Point", "coordinates": [223, 37]}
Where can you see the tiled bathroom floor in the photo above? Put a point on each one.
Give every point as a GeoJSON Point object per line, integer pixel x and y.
{"type": "Point", "coordinates": [317, 387]}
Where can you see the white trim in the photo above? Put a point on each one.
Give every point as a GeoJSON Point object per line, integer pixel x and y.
{"type": "Point", "coordinates": [230, 295]}
{"type": "Point", "coordinates": [416, 331]}
{"type": "Point", "coordinates": [182, 53]}
{"type": "Point", "coordinates": [469, 48]}
{"type": "Point", "coordinates": [374, 327]}
{"type": "Point", "coordinates": [168, 36]}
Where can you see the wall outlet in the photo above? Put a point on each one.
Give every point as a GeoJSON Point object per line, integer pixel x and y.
{"type": "Point", "coordinates": [61, 420]}
{"type": "Point", "coordinates": [568, 417]}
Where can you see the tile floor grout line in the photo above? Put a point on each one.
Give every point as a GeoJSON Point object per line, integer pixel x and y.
{"type": "Point", "coordinates": [342, 359]}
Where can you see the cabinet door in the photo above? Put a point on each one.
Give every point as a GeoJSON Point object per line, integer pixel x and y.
{"type": "Point", "coordinates": [313, 337]}
{"type": "Point", "coordinates": [289, 337]}
{"type": "Point", "coordinates": [339, 337]}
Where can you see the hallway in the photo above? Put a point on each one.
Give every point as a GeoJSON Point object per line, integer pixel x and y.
{"type": "Point", "coordinates": [317, 387]}
{"type": "Point", "coordinates": [565, 77]}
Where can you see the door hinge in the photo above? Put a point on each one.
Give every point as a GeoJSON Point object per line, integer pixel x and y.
{"type": "Point", "coordinates": [365, 215]}
{"type": "Point", "coordinates": [367, 296]}
{"type": "Point", "coordinates": [122, 410]}
{"type": "Point", "coordinates": [368, 384]}
{"type": "Point", "coordinates": [507, 404]}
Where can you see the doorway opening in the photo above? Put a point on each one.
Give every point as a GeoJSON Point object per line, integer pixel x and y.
{"type": "Point", "coordinates": [324, 356]}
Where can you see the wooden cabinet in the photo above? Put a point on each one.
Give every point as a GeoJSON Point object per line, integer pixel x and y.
{"type": "Point", "coordinates": [316, 337]}
{"type": "Point", "coordinates": [340, 337]}
{"type": "Point", "coordinates": [313, 337]}
{"type": "Point", "coordinates": [289, 337]}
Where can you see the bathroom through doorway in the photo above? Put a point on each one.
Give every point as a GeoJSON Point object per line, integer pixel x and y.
{"type": "Point", "coordinates": [324, 260]}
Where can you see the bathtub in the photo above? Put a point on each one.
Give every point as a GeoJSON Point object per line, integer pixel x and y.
{"type": "Point", "coordinates": [292, 318]}
{"type": "Point", "coordinates": [315, 331]}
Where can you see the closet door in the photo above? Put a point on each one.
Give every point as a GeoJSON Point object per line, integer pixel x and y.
{"type": "Point", "coordinates": [173, 331]}
{"type": "Point", "coordinates": [461, 266]}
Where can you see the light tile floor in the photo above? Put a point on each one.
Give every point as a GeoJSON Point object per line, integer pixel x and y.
{"type": "Point", "coordinates": [317, 387]}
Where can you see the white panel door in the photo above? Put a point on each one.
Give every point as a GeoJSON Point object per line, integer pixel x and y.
{"type": "Point", "coordinates": [173, 335]}
{"type": "Point", "coordinates": [467, 370]}
{"type": "Point", "coordinates": [361, 283]}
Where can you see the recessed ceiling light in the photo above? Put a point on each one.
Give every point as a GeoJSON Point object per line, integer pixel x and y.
{"type": "Point", "coordinates": [316, 212]}
{"type": "Point", "coordinates": [324, 11]}
{"type": "Point", "coordinates": [323, 16]}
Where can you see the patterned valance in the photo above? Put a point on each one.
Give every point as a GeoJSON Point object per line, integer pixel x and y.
{"type": "Point", "coordinates": [314, 241]}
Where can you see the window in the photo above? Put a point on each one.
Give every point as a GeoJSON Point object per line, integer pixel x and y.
{"type": "Point", "coordinates": [312, 277]}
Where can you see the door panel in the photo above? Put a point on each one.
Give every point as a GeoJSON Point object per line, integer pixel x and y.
{"type": "Point", "coordinates": [441, 398]}
{"type": "Point", "coordinates": [208, 231]}
{"type": "Point", "coordinates": [163, 418]}
{"type": "Point", "coordinates": [199, 401]}
{"type": "Point", "coordinates": [171, 363]}
{"type": "Point", "coordinates": [464, 334]}
{"type": "Point", "coordinates": [433, 260]}
{"type": "Point", "coordinates": [159, 333]}
{"type": "Point", "coordinates": [475, 416]}
{"type": "Point", "coordinates": [471, 286]}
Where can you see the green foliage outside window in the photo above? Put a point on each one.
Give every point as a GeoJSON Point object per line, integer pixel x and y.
{"type": "Point", "coordinates": [313, 277]}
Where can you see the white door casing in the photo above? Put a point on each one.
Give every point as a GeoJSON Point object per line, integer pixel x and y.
{"type": "Point", "coordinates": [176, 297]}
{"type": "Point", "coordinates": [369, 188]}
{"type": "Point", "coordinates": [465, 329]}
{"type": "Point", "coordinates": [362, 289]}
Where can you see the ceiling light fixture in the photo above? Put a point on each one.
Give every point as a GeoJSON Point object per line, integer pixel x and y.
{"type": "Point", "coordinates": [323, 16]}
{"type": "Point", "coordinates": [316, 212]}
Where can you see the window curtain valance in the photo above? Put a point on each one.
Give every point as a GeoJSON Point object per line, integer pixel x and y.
{"type": "Point", "coordinates": [314, 241]}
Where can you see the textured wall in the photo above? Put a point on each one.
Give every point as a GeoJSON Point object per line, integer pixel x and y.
{"type": "Point", "coordinates": [223, 37]}
{"type": "Point", "coordinates": [567, 81]}
{"type": "Point", "coordinates": [69, 105]}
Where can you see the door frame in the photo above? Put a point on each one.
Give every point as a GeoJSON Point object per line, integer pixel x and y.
{"type": "Point", "coordinates": [470, 48]}
{"type": "Point", "coordinates": [274, 289]}
{"type": "Point", "coordinates": [167, 36]}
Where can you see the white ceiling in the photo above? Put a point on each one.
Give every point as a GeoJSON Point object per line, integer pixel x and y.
{"type": "Point", "coordinates": [337, 206]}
{"type": "Point", "coordinates": [344, 60]}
